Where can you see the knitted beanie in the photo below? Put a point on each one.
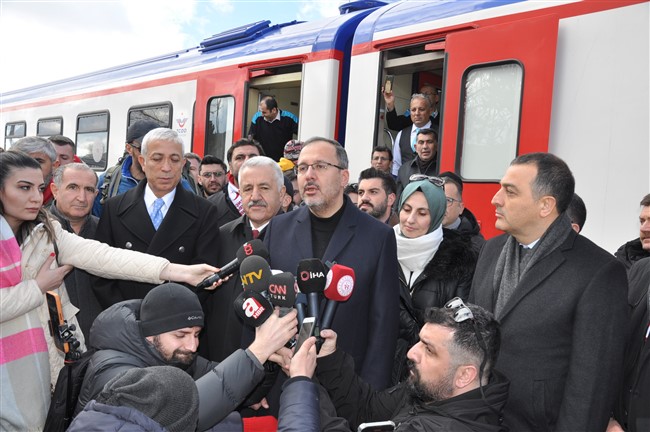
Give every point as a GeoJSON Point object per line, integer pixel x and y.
{"type": "Point", "coordinates": [165, 394]}
{"type": "Point", "coordinates": [169, 307]}
{"type": "Point", "coordinates": [436, 200]}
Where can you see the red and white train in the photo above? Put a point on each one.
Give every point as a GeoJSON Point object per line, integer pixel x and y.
{"type": "Point", "coordinates": [564, 76]}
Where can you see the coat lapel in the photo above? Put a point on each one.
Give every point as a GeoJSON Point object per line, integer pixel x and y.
{"type": "Point", "coordinates": [302, 234]}
{"type": "Point", "coordinates": [343, 233]}
{"type": "Point", "coordinates": [134, 216]}
{"type": "Point", "coordinates": [181, 216]}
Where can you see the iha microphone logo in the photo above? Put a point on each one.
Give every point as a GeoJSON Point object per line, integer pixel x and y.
{"type": "Point", "coordinates": [252, 308]}
{"type": "Point", "coordinates": [306, 275]}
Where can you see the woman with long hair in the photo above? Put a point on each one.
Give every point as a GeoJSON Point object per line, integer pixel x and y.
{"type": "Point", "coordinates": [435, 264]}
{"type": "Point", "coordinates": [35, 255]}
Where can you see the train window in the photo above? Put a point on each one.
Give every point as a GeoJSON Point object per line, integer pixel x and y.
{"type": "Point", "coordinates": [13, 132]}
{"type": "Point", "coordinates": [219, 130]}
{"type": "Point", "coordinates": [92, 139]}
{"type": "Point", "coordinates": [49, 126]}
{"type": "Point", "coordinates": [160, 113]}
{"type": "Point", "coordinates": [490, 119]}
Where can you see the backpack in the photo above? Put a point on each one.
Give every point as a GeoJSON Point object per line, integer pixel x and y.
{"type": "Point", "coordinates": [111, 183]}
{"type": "Point", "coordinates": [66, 393]}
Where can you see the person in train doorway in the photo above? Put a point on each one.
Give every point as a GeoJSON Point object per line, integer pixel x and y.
{"type": "Point", "coordinates": [561, 301]}
{"type": "Point", "coordinates": [127, 173]}
{"type": "Point", "coordinates": [273, 127]}
{"type": "Point", "coordinates": [425, 161]}
{"type": "Point", "coordinates": [229, 201]}
{"type": "Point", "coordinates": [404, 150]}
{"type": "Point", "coordinates": [158, 216]}
{"type": "Point", "coordinates": [398, 122]}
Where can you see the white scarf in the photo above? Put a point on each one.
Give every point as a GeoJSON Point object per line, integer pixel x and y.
{"type": "Point", "coordinates": [235, 197]}
{"type": "Point", "coordinates": [414, 254]}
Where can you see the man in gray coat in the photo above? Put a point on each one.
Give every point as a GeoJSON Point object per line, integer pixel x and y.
{"type": "Point", "coordinates": [163, 329]}
{"type": "Point", "coordinates": [561, 301]}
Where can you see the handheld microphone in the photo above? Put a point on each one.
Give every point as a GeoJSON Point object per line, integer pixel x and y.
{"type": "Point", "coordinates": [282, 291]}
{"type": "Point", "coordinates": [251, 248]}
{"type": "Point", "coordinates": [339, 287]}
{"type": "Point", "coordinates": [301, 304]}
{"type": "Point", "coordinates": [255, 274]}
{"type": "Point", "coordinates": [253, 308]}
{"type": "Point", "coordinates": [311, 281]}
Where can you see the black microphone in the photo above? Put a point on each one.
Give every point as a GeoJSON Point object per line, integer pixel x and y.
{"type": "Point", "coordinates": [340, 284]}
{"type": "Point", "coordinates": [255, 274]}
{"type": "Point", "coordinates": [251, 248]}
{"type": "Point", "coordinates": [253, 308]}
{"type": "Point", "coordinates": [282, 291]}
{"type": "Point", "coordinates": [311, 281]}
{"type": "Point", "coordinates": [301, 304]}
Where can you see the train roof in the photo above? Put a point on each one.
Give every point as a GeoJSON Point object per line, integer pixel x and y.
{"type": "Point", "coordinates": [253, 41]}
{"type": "Point", "coordinates": [403, 14]}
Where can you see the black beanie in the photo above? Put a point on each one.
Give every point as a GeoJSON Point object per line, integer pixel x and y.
{"type": "Point", "coordinates": [166, 394]}
{"type": "Point", "coordinates": [169, 307]}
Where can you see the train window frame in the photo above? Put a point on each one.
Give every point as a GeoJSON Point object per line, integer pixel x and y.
{"type": "Point", "coordinates": [229, 132]}
{"type": "Point", "coordinates": [470, 164]}
{"type": "Point", "coordinates": [141, 108]}
{"type": "Point", "coordinates": [91, 158]}
{"type": "Point", "coordinates": [10, 139]}
{"type": "Point", "coordinates": [45, 120]}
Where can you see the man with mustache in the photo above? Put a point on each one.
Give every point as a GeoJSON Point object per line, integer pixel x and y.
{"type": "Point", "coordinates": [426, 150]}
{"type": "Point", "coordinates": [163, 330]}
{"type": "Point", "coordinates": [377, 194]}
{"type": "Point", "coordinates": [261, 185]}
{"type": "Point", "coordinates": [452, 384]}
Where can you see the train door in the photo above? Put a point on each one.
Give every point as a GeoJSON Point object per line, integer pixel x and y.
{"type": "Point", "coordinates": [497, 103]}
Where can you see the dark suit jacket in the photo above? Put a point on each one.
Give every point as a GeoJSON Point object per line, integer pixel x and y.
{"type": "Point", "coordinates": [226, 210]}
{"type": "Point", "coordinates": [563, 335]}
{"type": "Point", "coordinates": [189, 234]}
{"type": "Point", "coordinates": [368, 323]}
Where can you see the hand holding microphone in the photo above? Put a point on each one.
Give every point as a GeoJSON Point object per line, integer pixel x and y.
{"type": "Point", "coordinates": [251, 248]}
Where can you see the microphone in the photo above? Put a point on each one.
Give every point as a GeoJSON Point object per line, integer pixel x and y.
{"type": "Point", "coordinates": [253, 308]}
{"type": "Point", "coordinates": [255, 274]}
{"type": "Point", "coordinates": [282, 291]}
{"type": "Point", "coordinates": [251, 248]}
{"type": "Point", "coordinates": [311, 281]}
{"type": "Point", "coordinates": [339, 287]}
{"type": "Point", "coordinates": [301, 304]}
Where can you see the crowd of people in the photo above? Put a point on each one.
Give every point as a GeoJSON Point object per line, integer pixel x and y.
{"type": "Point", "coordinates": [536, 329]}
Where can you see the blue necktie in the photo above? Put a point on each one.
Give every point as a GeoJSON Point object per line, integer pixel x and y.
{"type": "Point", "coordinates": [415, 139]}
{"type": "Point", "coordinates": [156, 214]}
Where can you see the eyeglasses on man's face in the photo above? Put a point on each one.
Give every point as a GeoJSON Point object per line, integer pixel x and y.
{"type": "Point", "coordinates": [319, 167]}
{"type": "Point", "coordinates": [451, 200]}
{"type": "Point", "coordinates": [436, 181]}
{"type": "Point", "coordinates": [208, 175]}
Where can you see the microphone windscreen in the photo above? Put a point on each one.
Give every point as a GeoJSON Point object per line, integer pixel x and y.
{"type": "Point", "coordinates": [340, 283]}
{"type": "Point", "coordinates": [311, 276]}
{"type": "Point", "coordinates": [282, 290]}
{"type": "Point", "coordinates": [253, 308]}
{"type": "Point", "coordinates": [250, 248]}
{"type": "Point", "coordinates": [255, 273]}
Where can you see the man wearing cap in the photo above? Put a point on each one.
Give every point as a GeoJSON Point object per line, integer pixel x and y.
{"type": "Point", "coordinates": [158, 216]}
{"type": "Point", "coordinates": [127, 173]}
{"type": "Point", "coordinates": [457, 216]}
{"type": "Point", "coordinates": [163, 329]}
{"type": "Point", "coordinates": [262, 187]}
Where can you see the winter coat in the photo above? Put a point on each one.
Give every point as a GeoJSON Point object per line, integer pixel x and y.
{"type": "Point", "coordinates": [447, 275]}
{"type": "Point", "coordinates": [117, 337]}
{"type": "Point", "coordinates": [357, 402]}
{"type": "Point", "coordinates": [101, 417]}
{"type": "Point", "coordinates": [25, 385]}
{"type": "Point", "coordinates": [631, 252]}
{"type": "Point", "coordinates": [299, 407]}
{"type": "Point", "coordinates": [469, 227]}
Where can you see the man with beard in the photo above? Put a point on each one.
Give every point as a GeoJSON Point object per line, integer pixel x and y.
{"type": "Point", "coordinates": [211, 175]}
{"type": "Point", "coordinates": [377, 194]}
{"type": "Point", "coordinates": [163, 330]}
{"type": "Point", "coordinates": [452, 385]}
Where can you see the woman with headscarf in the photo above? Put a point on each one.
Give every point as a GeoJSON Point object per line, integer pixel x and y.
{"type": "Point", "coordinates": [435, 264]}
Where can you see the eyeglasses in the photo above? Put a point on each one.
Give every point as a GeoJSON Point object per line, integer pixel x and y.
{"type": "Point", "coordinates": [208, 175]}
{"type": "Point", "coordinates": [463, 313]}
{"type": "Point", "coordinates": [319, 167]}
{"type": "Point", "coordinates": [436, 181]}
{"type": "Point", "coordinates": [451, 200]}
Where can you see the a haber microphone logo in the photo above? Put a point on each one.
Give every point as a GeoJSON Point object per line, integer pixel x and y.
{"type": "Point", "coordinates": [252, 308]}
{"type": "Point", "coordinates": [306, 275]}
{"type": "Point", "coordinates": [345, 285]}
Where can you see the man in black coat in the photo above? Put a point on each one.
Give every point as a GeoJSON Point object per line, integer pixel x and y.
{"type": "Point", "coordinates": [452, 387]}
{"type": "Point", "coordinates": [158, 217]}
{"type": "Point", "coordinates": [262, 186]}
{"type": "Point", "coordinates": [425, 162]}
{"type": "Point", "coordinates": [458, 217]}
{"type": "Point", "coordinates": [560, 299]}
{"type": "Point", "coordinates": [639, 248]}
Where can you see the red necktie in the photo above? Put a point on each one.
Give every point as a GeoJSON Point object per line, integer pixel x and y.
{"type": "Point", "coordinates": [256, 233]}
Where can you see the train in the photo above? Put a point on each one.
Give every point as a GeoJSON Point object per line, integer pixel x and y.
{"type": "Point", "coordinates": [569, 77]}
